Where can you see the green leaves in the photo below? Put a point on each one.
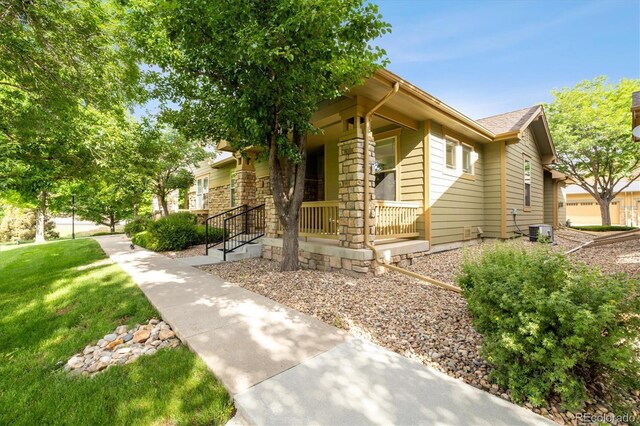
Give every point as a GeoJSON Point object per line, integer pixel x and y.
{"type": "Point", "coordinates": [549, 326]}
{"type": "Point", "coordinates": [591, 127]}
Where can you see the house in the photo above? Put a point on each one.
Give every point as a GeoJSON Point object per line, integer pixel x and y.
{"type": "Point", "coordinates": [438, 178]}
{"type": "Point", "coordinates": [582, 208]}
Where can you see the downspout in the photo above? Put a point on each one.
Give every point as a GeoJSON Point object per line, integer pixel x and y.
{"type": "Point", "coordinates": [367, 190]}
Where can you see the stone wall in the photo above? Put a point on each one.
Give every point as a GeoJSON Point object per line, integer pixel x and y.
{"type": "Point", "coordinates": [219, 199]}
{"type": "Point", "coordinates": [324, 262]}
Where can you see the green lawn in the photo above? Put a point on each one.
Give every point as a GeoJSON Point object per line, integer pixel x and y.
{"type": "Point", "coordinates": [55, 299]}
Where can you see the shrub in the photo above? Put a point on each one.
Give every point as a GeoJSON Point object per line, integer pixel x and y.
{"type": "Point", "coordinates": [136, 226]}
{"type": "Point", "coordinates": [142, 239]}
{"type": "Point", "coordinates": [551, 327]}
{"type": "Point", "coordinates": [20, 225]}
{"type": "Point", "coordinates": [174, 232]}
{"type": "Point", "coordinates": [604, 228]}
{"type": "Point", "coordinates": [215, 234]}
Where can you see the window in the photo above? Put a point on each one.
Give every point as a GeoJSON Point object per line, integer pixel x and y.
{"type": "Point", "coordinates": [459, 157]}
{"type": "Point", "coordinates": [467, 159]}
{"type": "Point", "coordinates": [527, 183]}
{"type": "Point", "coordinates": [385, 169]}
{"type": "Point", "coordinates": [202, 187]}
{"type": "Point", "coordinates": [452, 147]}
{"type": "Point", "coordinates": [232, 189]}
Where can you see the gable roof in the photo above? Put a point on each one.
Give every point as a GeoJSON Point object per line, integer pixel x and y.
{"type": "Point", "coordinates": [510, 125]}
{"type": "Point", "coordinates": [510, 122]}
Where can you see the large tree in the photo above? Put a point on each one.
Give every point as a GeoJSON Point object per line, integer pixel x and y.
{"type": "Point", "coordinates": [252, 73]}
{"type": "Point", "coordinates": [591, 127]}
{"type": "Point", "coordinates": [62, 64]}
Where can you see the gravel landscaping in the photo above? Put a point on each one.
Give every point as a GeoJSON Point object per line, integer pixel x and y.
{"type": "Point", "coordinates": [198, 250]}
{"type": "Point", "coordinates": [418, 320]}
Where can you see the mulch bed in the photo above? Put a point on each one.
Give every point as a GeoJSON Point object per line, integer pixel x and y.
{"type": "Point", "coordinates": [417, 320]}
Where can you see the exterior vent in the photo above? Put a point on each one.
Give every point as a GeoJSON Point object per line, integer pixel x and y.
{"type": "Point", "coordinates": [541, 232]}
{"type": "Point", "coordinates": [467, 233]}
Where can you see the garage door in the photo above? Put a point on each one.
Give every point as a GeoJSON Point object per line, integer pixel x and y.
{"type": "Point", "coordinates": [588, 213]}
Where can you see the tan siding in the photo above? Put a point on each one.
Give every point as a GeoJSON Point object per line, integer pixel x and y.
{"type": "Point", "coordinates": [411, 170]}
{"type": "Point", "coordinates": [456, 202]}
{"type": "Point", "coordinates": [262, 168]}
{"type": "Point", "coordinates": [221, 176]}
{"type": "Point", "coordinates": [548, 199]}
{"type": "Point", "coordinates": [331, 171]}
{"type": "Point", "coordinates": [562, 203]}
{"type": "Point", "coordinates": [515, 184]}
{"type": "Point", "coordinates": [492, 209]}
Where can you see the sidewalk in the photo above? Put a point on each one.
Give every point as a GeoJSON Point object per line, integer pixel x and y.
{"type": "Point", "coordinates": [284, 367]}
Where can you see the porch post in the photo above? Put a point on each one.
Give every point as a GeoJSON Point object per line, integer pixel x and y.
{"type": "Point", "coordinates": [245, 180]}
{"type": "Point", "coordinates": [351, 183]}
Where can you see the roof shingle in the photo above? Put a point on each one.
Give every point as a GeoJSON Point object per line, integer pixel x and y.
{"type": "Point", "coordinates": [509, 121]}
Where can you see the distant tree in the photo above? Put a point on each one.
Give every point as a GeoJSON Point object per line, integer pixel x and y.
{"type": "Point", "coordinates": [591, 127]}
{"type": "Point", "coordinates": [65, 70]}
{"type": "Point", "coordinates": [167, 158]}
{"type": "Point", "coordinates": [252, 73]}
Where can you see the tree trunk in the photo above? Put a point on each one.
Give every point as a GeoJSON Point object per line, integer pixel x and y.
{"type": "Point", "coordinates": [41, 217]}
{"type": "Point", "coordinates": [287, 182]}
{"type": "Point", "coordinates": [162, 199]}
{"type": "Point", "coordinates": [290, 261]}
{"type": "Point", "coordinates": [112, 223]}
{"type": "Point", "coordinates": [605, 212]}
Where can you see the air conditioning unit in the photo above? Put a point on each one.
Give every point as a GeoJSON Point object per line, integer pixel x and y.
{"type": "Point", "coordinates": [544, 232]}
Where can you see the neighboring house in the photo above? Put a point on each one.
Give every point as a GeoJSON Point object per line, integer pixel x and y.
{"type": "Point", "coordinates": [635, 114]}
{"type": "Point", "coordinates": [582, 208]}
{"type": "Point", "coordinates": [441, 179]}
{"type": "Point", "coordinates": [172, 204]}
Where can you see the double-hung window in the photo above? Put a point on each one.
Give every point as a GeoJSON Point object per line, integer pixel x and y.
{"type": "Point", "coordinates": [232, 189]}
{"type": "Point", "coordinates": [385, 169]}
{"type": "Point", "coordinates": [527, 183]}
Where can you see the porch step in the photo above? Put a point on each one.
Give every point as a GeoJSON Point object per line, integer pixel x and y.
{"type": "Point", "coordinates": [245, 252]}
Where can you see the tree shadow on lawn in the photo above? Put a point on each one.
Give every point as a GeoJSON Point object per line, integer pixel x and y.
{"type": "Point", "coordinates": [51, 309]}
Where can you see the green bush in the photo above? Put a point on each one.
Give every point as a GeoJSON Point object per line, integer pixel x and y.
{"type": "Point", "coordinates": [136, 226]}
{"type": "Point", "coordinates": [215, 234]}
{"type": "Point", "coordinates": [174, 232]}
{"type": "Point", "coordinates": [551, 327]}
{"type": "Point", "coordinates": [604, 228]}
{"type": "Point", "coordinates": [142, 239]}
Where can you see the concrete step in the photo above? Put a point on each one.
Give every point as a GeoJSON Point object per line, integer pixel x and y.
{"type": "Point", "coordinates": [247, 251]}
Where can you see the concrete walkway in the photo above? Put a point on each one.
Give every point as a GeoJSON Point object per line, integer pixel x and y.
{"type": "Point", "coordinates": [284, 367]}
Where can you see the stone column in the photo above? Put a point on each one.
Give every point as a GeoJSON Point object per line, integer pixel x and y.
{"type": "Point", "coordinates": [245, 180]}
{"type": "Point", "coordinates": [351, 191]}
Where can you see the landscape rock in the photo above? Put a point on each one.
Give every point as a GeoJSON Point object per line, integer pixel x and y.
{"type": "Point", "coordinates": [141, 335]}
{"type": "Point", "coordinates": [122, 347]}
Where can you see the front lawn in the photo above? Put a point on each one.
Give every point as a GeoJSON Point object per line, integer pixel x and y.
{"type": "Point", "coordinates": [57, 298]}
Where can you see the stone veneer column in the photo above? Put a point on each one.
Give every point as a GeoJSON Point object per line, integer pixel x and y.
{"type": "Point", "coordinates": [245, 181]}
{"type": "Point", "coordinates": [351, 192]}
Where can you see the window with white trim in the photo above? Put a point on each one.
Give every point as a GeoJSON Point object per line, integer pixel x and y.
{"type": "Point", "coordinates": [459, 157]}
{"type": "Point", "coordinates": [527, 182]}
{"type": "Point", "coordinates": [385, 169]}
{"type": "Point", "coordinates": [202, 187]}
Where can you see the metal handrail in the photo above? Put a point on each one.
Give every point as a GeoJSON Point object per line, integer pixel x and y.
{"type": "Point", "coordinates": [252, 226]}
{"type": "Point", "coordinates": [219, 218]}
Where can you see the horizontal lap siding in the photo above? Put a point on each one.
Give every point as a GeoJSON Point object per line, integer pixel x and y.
{"type": "Point", "coordinates": [221, 176]}
{"type": "Point", "coordinates": [492, 193]}
{"type": "Point", "coordinates": [411, 170]}
{"type": "Point", "coordinates": [455, 202]}
{"type": "Point", "coordinates": [548, 199]}
{"type": "Point", "coordinates": [515, 184]}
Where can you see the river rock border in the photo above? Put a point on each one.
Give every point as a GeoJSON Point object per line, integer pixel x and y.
{"type": "Point", "coordinates": [123, 346]}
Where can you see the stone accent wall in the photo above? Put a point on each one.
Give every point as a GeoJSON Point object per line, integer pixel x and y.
{"type": "Point", "coordinates": [219, 199]}
{"type": "Point", "coordinates": [323, 262]}
{"type": "Point", "coordinates": [246, 187]}
{"type": "Point", "coordinates": [263, 189]}
{"type": "Point", "coordinates": [351, 192]}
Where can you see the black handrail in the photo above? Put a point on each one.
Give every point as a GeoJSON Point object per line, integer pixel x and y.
{"type": "Point", "coordinates": [217, 221]}
{"type": "Point", "coordinates": [242, 228]}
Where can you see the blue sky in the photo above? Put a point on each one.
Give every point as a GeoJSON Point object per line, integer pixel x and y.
{"type": "Point", "coordinates": [488, 57]}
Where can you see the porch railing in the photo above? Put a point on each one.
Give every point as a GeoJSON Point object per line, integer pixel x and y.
{"type": "Point", "coordinates": [396, 219]}
{"type": "Point", "coordinates": [318, 219]}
